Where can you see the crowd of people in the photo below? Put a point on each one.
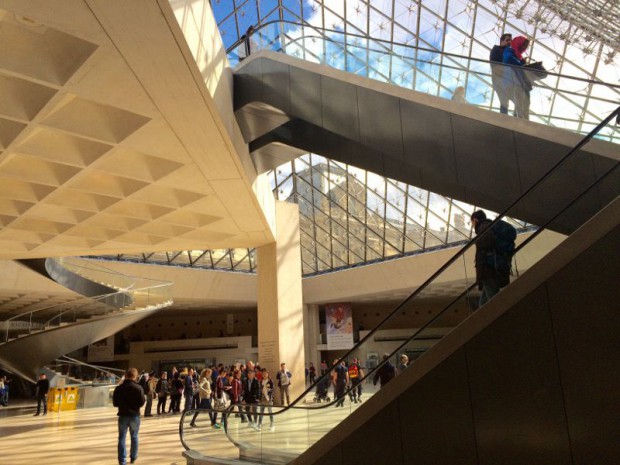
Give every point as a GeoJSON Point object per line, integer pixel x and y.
{"type": "Point", "coordinates": [249, 388]}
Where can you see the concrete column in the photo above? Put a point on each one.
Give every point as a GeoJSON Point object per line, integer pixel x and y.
{"type": "Point", "coordinates": [280, 307]}
{"type": "Point", "coordinates": [313, 334]}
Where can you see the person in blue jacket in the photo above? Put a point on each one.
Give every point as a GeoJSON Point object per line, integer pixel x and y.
{"type": "Point", "coordinates": [516, 83]}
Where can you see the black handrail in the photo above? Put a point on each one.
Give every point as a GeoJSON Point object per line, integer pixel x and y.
{"type": "Point", "coordinates": [321, 32]}
{"type": "Point", "coordinates": [578, 146]}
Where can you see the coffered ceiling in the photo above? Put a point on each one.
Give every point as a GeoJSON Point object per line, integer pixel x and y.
{"type": "Point", "coordinates": [108, 141]}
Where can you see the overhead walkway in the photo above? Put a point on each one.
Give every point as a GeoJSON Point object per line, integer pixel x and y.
{"type": "Point", "coordinates": [516, 378]}
{"type": "Point", "coordinates": [287, 107]}
{"type": "Point", "coordinates": [35, 338]}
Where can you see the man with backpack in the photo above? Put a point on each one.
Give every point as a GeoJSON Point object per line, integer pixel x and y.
{"type": "Point", "coordinates": [494, 251]}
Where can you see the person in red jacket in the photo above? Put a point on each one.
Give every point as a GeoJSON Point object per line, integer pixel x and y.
{"type": "Point", "coordinates": [235, 393]}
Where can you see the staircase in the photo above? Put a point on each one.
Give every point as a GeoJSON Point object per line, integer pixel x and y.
{"type": "Point", "coordinates": [36, 338]}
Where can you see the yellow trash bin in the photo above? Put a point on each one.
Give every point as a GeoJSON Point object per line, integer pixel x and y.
{"type": "Point", "coordinates": [69, 398]}
{"type": "Point", "coordinates": [61, 399]}
{"type": "Point", "coordinates": [54, 399]}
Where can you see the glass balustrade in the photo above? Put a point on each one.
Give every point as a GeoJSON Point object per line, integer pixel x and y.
{"type": "Point", "coordinates": [571, 200]}
{"type": "Point", "coordinates": [567, 102]}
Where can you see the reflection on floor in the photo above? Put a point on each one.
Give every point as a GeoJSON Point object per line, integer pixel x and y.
{"type": "Point", "coordinates": [293, 432]}
{"type": "Point", "coordinates": [85, 436]}
{"type": "Point", "coordinates": [90, 435]}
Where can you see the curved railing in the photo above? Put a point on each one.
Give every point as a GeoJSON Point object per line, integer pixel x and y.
{"type": "Point", "coordinates": [87, 371]}
{"type": "Point", "coordinates": [133, 294]}
{"type": "Point", "coordinates": [299, 426]}
{"type": "Point", "coordinates": [562, 101]}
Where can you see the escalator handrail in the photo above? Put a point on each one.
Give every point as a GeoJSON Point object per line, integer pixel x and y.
{"type": "Point", "coordinates": [473, 241]}
{"type": "Point", "coordinates": [319, 31]}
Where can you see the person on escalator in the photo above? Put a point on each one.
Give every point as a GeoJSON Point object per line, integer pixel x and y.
{"type": "Point", "coordinates": [494, 251]}
{"type": "Point", "coordinates": [496, 58]}
{"type": "Point", "coordinates": [516, 83]}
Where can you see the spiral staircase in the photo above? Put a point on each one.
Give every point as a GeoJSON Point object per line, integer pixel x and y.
{"type": "Point", "coordinates": [112, 301]}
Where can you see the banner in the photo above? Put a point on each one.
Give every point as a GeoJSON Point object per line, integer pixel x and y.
{"type": "Point", "coordinates": [339, 324]}
{"type": "Point", "coordinates": [101, 351]}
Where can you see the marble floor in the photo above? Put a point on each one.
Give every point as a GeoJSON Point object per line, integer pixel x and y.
{"type": "Point", "coordinates": [90, 435]}
{"type": "Point", "coordinates": [86, 436]}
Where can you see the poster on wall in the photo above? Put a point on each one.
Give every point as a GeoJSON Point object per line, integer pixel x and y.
{"type": "Point", "coordinates": [339, 323]}
{"type": "Point", "coordinates": [101, 351]}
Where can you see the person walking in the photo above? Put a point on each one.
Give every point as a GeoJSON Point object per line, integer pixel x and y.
{"type": "Point", "coordinates": [266, 399]}
{"type": "Point", "coordinates": [341, 380]}
{"type": "Point", "coordinates": [43, 387]}
{"type": "Point", "coordinates": [128, 398]}
{"type": "Point", "coordinates": [204, 385]}
{"type": "Point", "coordinates": [284, 381]}
{"type": "Point", "coordinates": [355, 376]}
{"type": "Point", "coordinates": [496, 58]}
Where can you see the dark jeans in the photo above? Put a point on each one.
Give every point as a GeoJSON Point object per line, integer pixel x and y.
{"type": "Point", "coordinates": [204, 403]}
{"type": "Point", "coordinates": [175, 403]}
{"type": "Point", "coordinates": [133, 424]}
{"type": "Point", "coordinates": [250, 411]}
{"type": "Point", "coordinates": [340, 388]}
{"type": "Point", "coordinates": [42, 399]}
{"type": "Point", "coordinates": [189, 398]}
{"type": "Point", "coordinates": [148, 406]}
{"type": "Point", "coordinates": [489, 289]}
{"type": "Point", "coordinates": [161, 404]}
{"type": "Point", "coordinates": [356, 389]}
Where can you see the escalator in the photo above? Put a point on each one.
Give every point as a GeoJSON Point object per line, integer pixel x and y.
{"type": "Point", "coordinates": [504, 383]}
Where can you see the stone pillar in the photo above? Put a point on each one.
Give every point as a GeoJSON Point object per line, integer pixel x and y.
{"type": "Point", "coordinates": [313, 336]}
{"type": "Point", "coordinates": [280, 303]}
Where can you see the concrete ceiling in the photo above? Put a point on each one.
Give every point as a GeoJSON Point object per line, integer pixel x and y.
{"type": "Point", "coordinates": [108, 141]}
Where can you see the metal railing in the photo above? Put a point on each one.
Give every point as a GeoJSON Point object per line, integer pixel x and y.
{"type": "Point", "coordinates": [568, 102]}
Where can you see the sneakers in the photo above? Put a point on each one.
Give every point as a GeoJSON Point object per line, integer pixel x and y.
{"type": "Point", "coordinates": [36, 414]}
{"type": "Point", "coordinates": [193, 425]}
{"type": "Point", "coordinates": [256, 427]}
{"type": "Point", "coordinates": [216, 425]}
{"type": "Point", "coordinates": [272, 428]}
{"type": "Point", "coordinates": [250, 424]}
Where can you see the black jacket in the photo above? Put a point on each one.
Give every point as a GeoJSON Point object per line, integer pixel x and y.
{"type": "Point", "coordinates": [128, 397]}
{"type": "Point", "coordinates": [385, 374]}
{"type": "Point", "coordinates": [497, 54]}
{"type": "Point", "coordinates": [43, 386]}
{"type": "Point", "coordinates": [251, 391]}
{"type": "Point", "coordinates": [485, 246]}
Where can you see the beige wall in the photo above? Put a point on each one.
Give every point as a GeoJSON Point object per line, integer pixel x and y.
{"type": "Point", "coordinates": [280, 304]}
{"type": "Point", "coordinates": [224, 350]}
{"type": "Point", "coordinates": [198, 324]}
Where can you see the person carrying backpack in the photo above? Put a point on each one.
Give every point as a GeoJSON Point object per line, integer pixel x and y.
{"type": "Point", "coordinates": [494, 253]}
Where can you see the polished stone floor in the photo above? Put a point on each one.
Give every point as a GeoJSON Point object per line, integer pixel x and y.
{"type": "Point", "coordinates": [89, 436]}
{"type": "Point", "coordinates": [84, 437]}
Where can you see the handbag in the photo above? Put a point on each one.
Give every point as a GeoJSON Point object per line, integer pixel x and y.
{"type": "Point", "coordinates": [536, 70]}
